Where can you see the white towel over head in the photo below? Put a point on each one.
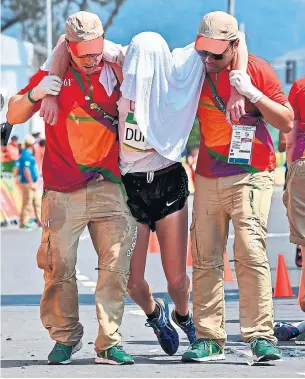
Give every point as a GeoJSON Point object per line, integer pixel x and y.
{"type": "Point", "coordinates": [166, 88]}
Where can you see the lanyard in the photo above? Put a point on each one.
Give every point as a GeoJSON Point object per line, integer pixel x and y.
{"type": "Point", "coordinates": [89, 98]}
{"type": "Point", "coordinates": [220, 104]}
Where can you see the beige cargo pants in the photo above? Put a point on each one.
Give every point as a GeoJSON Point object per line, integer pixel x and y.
{"type": "Point", "coordinates": [101, 206]}
{"type": "Point", "coordinates": [245, 199]}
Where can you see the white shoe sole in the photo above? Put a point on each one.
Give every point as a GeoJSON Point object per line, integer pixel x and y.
{"type": "Point", "coordinates": [105, 361]}
{"type": "Point", "coordinates": [75, 349]}
{"type": "Point", "coordinates": [269, 358]}
{"type": "Point", "coordinates": [219, 357]}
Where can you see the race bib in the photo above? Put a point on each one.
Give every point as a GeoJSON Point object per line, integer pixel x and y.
{"type": "Point", "coordinates": [241, 144]}
{"type": "Point", "coordinates": [133, 138]}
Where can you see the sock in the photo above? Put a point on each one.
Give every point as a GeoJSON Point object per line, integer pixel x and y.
{"type": "Point", "coordinates": [182, 318]}
{"type": "Point", "coordinates": [155, 314]}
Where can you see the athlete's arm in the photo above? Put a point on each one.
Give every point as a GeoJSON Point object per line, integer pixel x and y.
{"type": "Point", "coordinates": [271, 103]}
{"type": "Point", "coordinates": [236, 105]}
{"type": "Point", "coordinates": [58, 66]}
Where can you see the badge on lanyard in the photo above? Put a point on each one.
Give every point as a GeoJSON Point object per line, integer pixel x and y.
{"type": "Point", "coordinates": [241, 144]}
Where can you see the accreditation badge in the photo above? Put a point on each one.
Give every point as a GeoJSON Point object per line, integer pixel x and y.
{"type": "Point", "coordinates": [241, 144]}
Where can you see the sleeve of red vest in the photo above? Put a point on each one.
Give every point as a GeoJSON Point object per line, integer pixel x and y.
{"type": "Point", "coordinates": [34, 80]}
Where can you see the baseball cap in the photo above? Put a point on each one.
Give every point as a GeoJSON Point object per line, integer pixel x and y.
{"type": "Point", "coordinates": [84, 31]}
{"type": "Point", "coordinates": [29, 140]}
{"type": "Point", "coordinates": [215, 32]}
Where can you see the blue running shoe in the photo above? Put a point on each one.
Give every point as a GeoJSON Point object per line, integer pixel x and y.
{"type": "Point", "coordinates": [187, 326]}
{"type": "Point", "coordinates": [167, 335]}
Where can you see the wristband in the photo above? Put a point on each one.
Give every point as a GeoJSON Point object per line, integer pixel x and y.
{"type": "Point", "coordinates": [30, 99]}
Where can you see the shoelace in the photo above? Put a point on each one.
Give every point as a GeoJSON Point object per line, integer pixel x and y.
{"type": "Point", "coordinates": [189, 328]}
{"type": "Point", "coordinates": [165, 332]}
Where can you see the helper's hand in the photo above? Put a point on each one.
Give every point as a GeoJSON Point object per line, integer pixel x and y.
{"type": "Point", "coordinates": [49, 85]}
{"type": "Point", "coordinates": [49, 109]}
{"type": "Point", "coordinates": [33, 186]}
{"type": "Point", "coordinates": [235, 107]}
{"type": "Point", "coordinates": [242, 82]}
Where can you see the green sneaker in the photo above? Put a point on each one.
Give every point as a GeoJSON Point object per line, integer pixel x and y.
{"type": "Point", "coordinates": [114, 356]}
{"type": "Point", "coordinates": [300, 340]}
{"type": "Point", "coordinates": [203, 350]}
{"type": "Point", "coordinates": [61, 354]}
{"type": "Point", "coordinates": [264, 350]}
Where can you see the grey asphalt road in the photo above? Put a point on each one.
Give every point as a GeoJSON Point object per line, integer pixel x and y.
{"type": "Point", "coordinates": [25, 344]}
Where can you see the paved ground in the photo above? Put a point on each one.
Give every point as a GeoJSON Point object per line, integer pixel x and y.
{"type": "Point", "coordinates": [25, 343]}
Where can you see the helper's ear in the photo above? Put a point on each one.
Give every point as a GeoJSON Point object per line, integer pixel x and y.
{"type": "Point", "coordinates": [236, 44]}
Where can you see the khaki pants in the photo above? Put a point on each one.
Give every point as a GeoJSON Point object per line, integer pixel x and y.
{"type": "Point", "coordinates": [30, 199]}
{"type": "Point", "coordinates": [101, 206]}
{"type": "Point", "coordinates": [245, 199]}
{"type": "Point", "coordinates": [294, 200]}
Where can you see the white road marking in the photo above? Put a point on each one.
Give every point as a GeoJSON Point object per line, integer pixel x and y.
{"type": "Point", "coordinates": [81, 277]}
{"type": "Point", "coordinates": [137, 312]}
{"type": "Point", "coordinates": [89, 284]}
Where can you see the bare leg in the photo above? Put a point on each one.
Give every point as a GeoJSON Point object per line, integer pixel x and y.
{"type": "Point", "coordinates": [172, 232]}
{"type": "Point", "coordinates": [138, 289]}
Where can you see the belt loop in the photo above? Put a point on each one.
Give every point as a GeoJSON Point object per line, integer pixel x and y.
{"type": "Point", "coordinates": [150, 176]}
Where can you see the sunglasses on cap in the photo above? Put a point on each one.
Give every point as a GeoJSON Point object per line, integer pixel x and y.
{"type": "Point", "coordinates": [216, 57]}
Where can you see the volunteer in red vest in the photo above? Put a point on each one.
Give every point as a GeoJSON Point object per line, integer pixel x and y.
{"type": "Point", "coordinates": [234, 181]}
{"type": "Point", "coordinates": [294, 196]}
{"type": "Point", "coordinates": [82, 187]}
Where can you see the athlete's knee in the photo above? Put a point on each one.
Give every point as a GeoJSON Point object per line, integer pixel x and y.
{"type": "Point", "coordinates": [134, 287]}
{"type": "Point", "coordinates": [179, 283]}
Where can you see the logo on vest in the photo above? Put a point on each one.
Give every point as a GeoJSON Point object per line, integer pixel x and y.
{"type": "Point", "coordinates": [67, 82]}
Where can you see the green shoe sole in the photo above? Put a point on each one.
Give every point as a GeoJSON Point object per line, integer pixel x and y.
{"type": "Point", "coordinates": [215, 357]}
{"type": "Point", "coordinates": [75, 349]}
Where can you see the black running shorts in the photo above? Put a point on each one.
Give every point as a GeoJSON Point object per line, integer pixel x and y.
{"type": "Point", "coordinates": [156, 194]}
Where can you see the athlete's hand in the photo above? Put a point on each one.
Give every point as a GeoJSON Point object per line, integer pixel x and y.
{"type": "Point", "coordinates": [49, 109]}
{"type": "Point", "coordinates": [49, 85]}
{"type": "Point", "coordinates": [242, 82]}
{"type": "Point", "coordinates": [235, 106]}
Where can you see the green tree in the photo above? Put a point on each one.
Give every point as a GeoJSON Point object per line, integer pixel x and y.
{"type": "Point", "coordinates": [30, 15]}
